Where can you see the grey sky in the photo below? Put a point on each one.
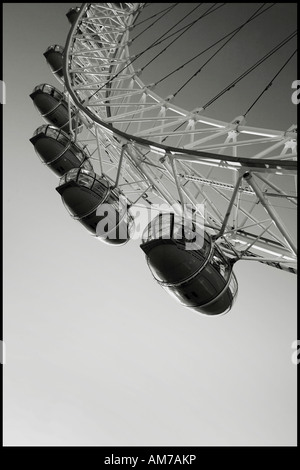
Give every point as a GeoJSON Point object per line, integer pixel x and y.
{"type": "Point", "coordinates": [97, 353]}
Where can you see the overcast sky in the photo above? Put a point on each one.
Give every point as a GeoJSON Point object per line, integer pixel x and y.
{"type": "Point", "coordinates": [97, 353]}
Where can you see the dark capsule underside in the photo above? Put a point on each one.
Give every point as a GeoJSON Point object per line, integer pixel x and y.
{"type": "Point", "coordinates": [192, 276]}
{"type": "Point", "coordinates": [83, 203]}
{"type": "Point", "coordinates": [58, 152]}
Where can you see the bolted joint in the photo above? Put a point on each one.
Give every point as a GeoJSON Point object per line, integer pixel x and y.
{"type": "Point", "coordinates": [247, 175]}
{"type": "Point", "coordinates": [169, 98]}
{"type": "Point", "coordinates": [238, 121]}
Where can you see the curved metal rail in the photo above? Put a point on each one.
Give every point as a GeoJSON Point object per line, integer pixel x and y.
{"type": "Point", "coordinates": [244, 175]}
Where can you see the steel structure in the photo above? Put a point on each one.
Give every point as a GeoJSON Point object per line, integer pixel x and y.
{"type": "Point", "coordinates": [153, 151]}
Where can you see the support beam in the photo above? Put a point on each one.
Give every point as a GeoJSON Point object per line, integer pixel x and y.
{"type": "Point", "coordinates": [120, 165]}
{"type": "Point", "coordinates": [230, 206]}
{"type": "Point", "coordinates": [274, 216]}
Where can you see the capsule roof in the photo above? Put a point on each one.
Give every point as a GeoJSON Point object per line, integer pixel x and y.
{"type": "Point", "coordinates": [47, 89]}
{"type": "Point", "coordinates": [54, 48]}
{"type": "Point", "coordinates": [72, 14]}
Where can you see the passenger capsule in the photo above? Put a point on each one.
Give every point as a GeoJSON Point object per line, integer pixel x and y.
{"type": "Point", "coordinates": [58, 151]}
{"type": "Point", "coordinates": [101, 209]}
{"type": "Point", "coordinates": [53, 106]}
{"type": "Point", "coordinates": [72, 14]}
{"type": "Point", "coordinates": [193, 270]}
{"type": "Point", "coordinates": [54, 57]}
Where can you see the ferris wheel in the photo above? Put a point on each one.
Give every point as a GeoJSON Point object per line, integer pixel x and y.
{"type": "Point", "coordinates": [218, 192]}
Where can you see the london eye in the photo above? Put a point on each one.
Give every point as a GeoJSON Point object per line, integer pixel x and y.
{"type": "Point", "coordinates": [222, 190]}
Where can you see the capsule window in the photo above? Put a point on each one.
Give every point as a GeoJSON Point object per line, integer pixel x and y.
{"type": "Point", "coordinates": [85, 180]}
{"type": "Point", "coordinates": [72, 174]}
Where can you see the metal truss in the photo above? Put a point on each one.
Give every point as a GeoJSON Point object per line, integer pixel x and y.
{"type": "Point", "coordinates": [155, 151]}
